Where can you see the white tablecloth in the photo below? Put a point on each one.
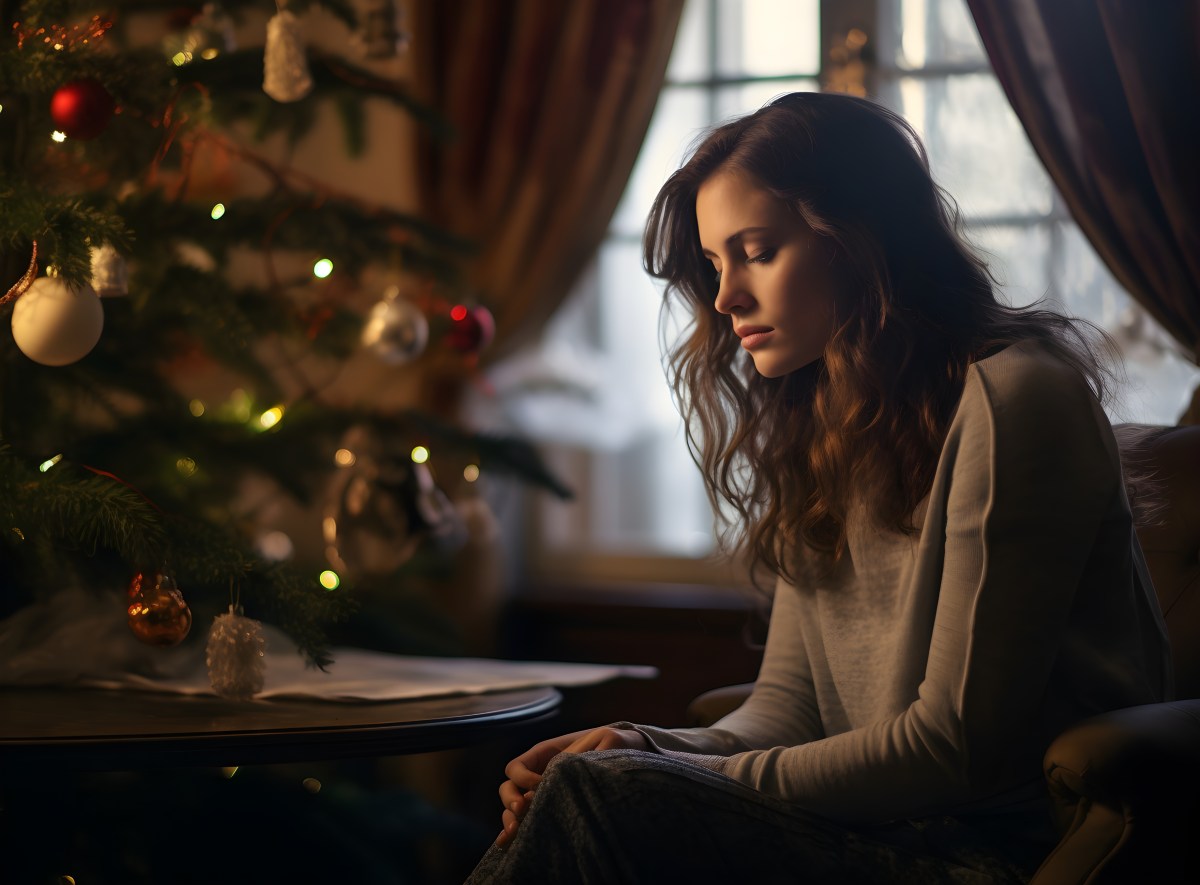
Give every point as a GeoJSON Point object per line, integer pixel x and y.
{"type": "Point", "coordinates": [83, 640]}
{"type": "Point", "coordinates": [359, 675]}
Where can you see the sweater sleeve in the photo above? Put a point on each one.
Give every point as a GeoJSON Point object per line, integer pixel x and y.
{"type": "Point", "coordinates": [781, 709]}
{"type": "Point", "coordinates": [1028, 479]}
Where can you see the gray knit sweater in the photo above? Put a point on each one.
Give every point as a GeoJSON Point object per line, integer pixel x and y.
{"type": "Point", "coordinates": [929, 673]}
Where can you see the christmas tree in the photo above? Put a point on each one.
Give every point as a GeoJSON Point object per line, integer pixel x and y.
{"type": "Point", "coordinates": [160, 389]}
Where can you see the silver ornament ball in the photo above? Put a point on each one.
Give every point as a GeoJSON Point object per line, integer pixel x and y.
{"type": "Point", "coordinates": [396, 331]}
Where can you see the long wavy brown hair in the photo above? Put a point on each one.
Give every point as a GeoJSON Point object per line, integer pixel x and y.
{"type": "Point", "coordinates": [780, 456]}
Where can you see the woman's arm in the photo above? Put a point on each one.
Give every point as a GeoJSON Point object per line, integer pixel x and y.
{"type": "Point", "coordinates": [781, 709]}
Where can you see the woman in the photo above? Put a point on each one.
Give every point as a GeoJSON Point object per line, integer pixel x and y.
{"type": "Point", "coordinates": [930, 476]}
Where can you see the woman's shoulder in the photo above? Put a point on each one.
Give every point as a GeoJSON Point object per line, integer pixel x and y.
{"type": "Point", "coordinates": [1031, 373]}
{"type": "Point", "coordinates": [1028, 385]}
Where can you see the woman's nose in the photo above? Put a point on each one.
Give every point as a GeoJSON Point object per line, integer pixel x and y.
{"type": "Point", "coordinates": [731, 293]}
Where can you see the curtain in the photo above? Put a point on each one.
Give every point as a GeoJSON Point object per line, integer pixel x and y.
{"type": "Point", "coordinates": [1109, 94]}
{"type": "Point", "coordinates": [550, 101]}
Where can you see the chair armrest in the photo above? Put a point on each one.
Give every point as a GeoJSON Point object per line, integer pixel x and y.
{"type": "Point", "coordinates": [1126, 789]}
{"type": "Point", "coordinates": [1146, 754]}
{"type": "Point", "coordinates": [707, 708]}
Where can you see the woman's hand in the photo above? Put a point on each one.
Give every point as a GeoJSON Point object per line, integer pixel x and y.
{"type": "Point", "coordinates": [525, 772]}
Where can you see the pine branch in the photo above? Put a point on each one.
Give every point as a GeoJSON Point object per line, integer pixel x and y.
{"type": "Point", "coordinates": [64, 226]}
{"type": "Point", "coordinates": [84, 512]}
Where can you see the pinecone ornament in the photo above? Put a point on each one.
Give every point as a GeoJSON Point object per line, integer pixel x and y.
{"type": "Point", "coordinates": [236, 655]}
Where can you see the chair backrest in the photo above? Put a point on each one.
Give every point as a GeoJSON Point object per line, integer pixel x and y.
{"type": "Point", "coordinates": [1163, 466]}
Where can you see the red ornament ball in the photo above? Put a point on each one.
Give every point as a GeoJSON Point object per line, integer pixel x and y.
{"type": "Point", "coordinates": [81, 108]}
{"type": "Point", "coordinates": [471, 328]}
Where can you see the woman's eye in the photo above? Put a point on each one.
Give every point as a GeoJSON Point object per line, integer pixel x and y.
{"type": "Point", "coordinates": [762, 257]}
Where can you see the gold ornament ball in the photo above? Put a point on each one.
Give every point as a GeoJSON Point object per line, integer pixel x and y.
{"type": "Point", "coordinates": [158, 614]}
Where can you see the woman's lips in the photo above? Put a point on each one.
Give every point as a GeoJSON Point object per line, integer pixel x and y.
{"type": "Point", "coordinates": [754, 336]}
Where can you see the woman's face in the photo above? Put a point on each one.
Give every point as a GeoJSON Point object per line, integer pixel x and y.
{"type": "Point", "coordinates": [778, 281]}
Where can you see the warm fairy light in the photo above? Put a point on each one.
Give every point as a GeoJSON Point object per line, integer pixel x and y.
{"type": "Point", "coordinates": [458, 313]}
{"type": "Point", "coordinates": [420, 454]}
{"type": "Point", "coordinates": [179, 59]}
{"type": "Point", "coordinates": [471, 472]}
{"type": "Point", "coordinates": [322, 268]}
{"type": "Point", "coordinates": [63, 36]}
{"type": "Point", "coordinates": [217, 211]}
{"type": "Point", "coordinates": [271, 417]}
{"type": "Point", "coordinates": [210, 53]}
{"type": "Point", "coordinates": [196, 407]}
{"type": "Point", "coordinates": [329, 579]}
{"type": "Point", "coordinates": [329, 529]}
{"type": "Point", "coordinates": [239, 404]}
{"type": "Point", "coordinates": [311, 784]}
{"type": "Point", "coordinates": [58, 136]}
{"type": "Point", "coordinates": [186, 466]}
{"type": "Point", "coordinates": [49, 462]}
{"type": "Point", "coordinates": [344, 458]}
{"type": "Point", "coordinates": [66, 880]}
{"type": "Point", "coordinates": [276, 546]}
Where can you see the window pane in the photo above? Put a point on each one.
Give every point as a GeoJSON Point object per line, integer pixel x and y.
{"type": "Point", "coordinates": [680, 114]}
{"type": "Point", "coordinates": [976, 145]}
{"type": "Point", "coordinates": [921, 33]}
{"type": "Point", "coordinates": [690, 57]}
{"type": "Point", "coordinates": [766, 38]}
{"type": "Point", "coordinates": [1160, 379]}
{"type": "Point", "coordinates": [733, 101]}
{"type": "Point", "coordinates": [1018, 256]}
{"type": "Point", "coordinates": [621, 441]}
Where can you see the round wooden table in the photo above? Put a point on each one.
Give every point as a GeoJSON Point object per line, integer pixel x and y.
{"type": "Point", "coordinates": [96, 729]}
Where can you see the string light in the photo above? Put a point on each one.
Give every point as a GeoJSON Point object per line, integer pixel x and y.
{"type": "Point", "coordinates": [329, 579]}
{"type": "Point", "coordinates": [196, 407]}
{"type": "Point", "coordinates": [179, 59]}
{"type": "Point", "coordinates": [420, 454]}
{"type": "Point", "coordinates": [64, 36]}
{"type": "Point", "coordinates": [271, 417]}
{"type": "Point", "coordinates": [344, 458]}
{"type": "Point", "coordinates": [218, 210]}
{"type": "Point", "coordinates": [322, 268]}
{"type": "Point", "coordinates": [49, 462]}
{"type": "Point", "coordinates": [471, 472]}
{"type": "Point", "coordinates": [57, 136]}
{"type": "Point", "coordinates": [239, 404]}
{"type": "Point", "coordinates": [186, 466]}
{"type": "Point", "coordinates": [458, 313]}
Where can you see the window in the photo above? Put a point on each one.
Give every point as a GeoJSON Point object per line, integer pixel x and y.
{"type": "Point", "coordinates": [595, 393]}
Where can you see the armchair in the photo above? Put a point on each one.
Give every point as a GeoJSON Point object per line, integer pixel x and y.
{"type": "Point", "coordinates": [1126, 784]}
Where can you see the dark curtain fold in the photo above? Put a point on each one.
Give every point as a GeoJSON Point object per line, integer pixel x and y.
{"type": "Point", "coordinates": [1109, 94]}
{"type": "Point", "coordinates": [551, 102]}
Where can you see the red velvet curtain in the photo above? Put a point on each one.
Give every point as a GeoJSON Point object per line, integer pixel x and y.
{"type": "Point", "coordinates": [1109, 93]}
{"type": "Point", "coordinates": [551, 101]}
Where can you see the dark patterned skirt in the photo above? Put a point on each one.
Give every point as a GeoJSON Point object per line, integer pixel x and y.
{"type": "Point", "coordinates": [627, 816]}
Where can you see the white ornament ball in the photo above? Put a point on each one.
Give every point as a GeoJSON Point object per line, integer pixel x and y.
{"type": "Point", "coordinates": [54, 324]}
{"type": "Point", "coordinates": [236, 655]}
{"type": "Point", "coordinates": [396, 331]}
